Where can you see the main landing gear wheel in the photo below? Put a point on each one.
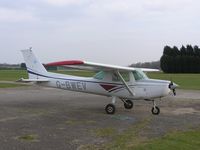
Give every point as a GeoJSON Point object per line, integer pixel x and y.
{"type": "Point", "coordinates": [128, 104]}
{"type": "Point", "coordinates": [110, 109]}
{"type": "Point", "coordinates": [155, 110]}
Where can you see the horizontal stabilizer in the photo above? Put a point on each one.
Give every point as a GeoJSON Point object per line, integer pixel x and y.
{"type": "Point", "coordinates": [32, 80]}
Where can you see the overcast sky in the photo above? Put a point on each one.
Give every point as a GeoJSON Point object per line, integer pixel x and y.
{"type": "Point", "coordinates": [107, 31]}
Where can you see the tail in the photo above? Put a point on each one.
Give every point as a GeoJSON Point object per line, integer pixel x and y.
{"type": "Point", "coordinates": [34, 67]}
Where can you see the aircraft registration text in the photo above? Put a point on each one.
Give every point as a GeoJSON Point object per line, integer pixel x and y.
{"type": "Point", "coordinates": [71, 85]}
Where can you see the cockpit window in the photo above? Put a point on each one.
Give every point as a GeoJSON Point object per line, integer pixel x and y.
{"type": "Point", "coordinates": [125, 76]}
{"type": "Point", "coordinates": [139, 75]}
{"type": "Point", "coordinates": [100, 75]}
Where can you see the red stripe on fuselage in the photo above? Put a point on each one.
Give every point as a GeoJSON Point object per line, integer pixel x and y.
{"type": "Point", "coordinates": [107, 87]}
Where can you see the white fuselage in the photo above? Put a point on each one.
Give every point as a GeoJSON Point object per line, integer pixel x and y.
{"type": "Point", "coordinates": [143, 89]}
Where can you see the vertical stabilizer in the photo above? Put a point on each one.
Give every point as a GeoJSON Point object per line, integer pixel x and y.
{"type": "Point", "coordinates": [34, 67]}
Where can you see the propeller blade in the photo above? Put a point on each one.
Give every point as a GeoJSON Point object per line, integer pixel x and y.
{"type": "Point", "coordinates": [174, 92]}
{"type": "Point", "coordinates": [172, 86]}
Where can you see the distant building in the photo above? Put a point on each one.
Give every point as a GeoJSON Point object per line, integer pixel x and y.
{"type": "Point", "coordinates": [9, 66]}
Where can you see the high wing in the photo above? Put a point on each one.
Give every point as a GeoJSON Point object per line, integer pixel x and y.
{"type": "Point", "coordinates": [85, 65]}
{"type": "Point", "coordinates": [76, 64]}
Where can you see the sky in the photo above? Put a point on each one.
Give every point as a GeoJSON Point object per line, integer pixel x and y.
{"type": "Point", "coordinates": [119, 32]}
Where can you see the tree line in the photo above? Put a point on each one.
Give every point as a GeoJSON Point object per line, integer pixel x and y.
{"type": "Point", "coordinates": [183, 60]}
{"type": "Point", "coordinates": [153, 65]}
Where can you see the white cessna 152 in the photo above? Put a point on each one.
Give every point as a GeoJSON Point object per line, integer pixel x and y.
{"type": "Point", "coordinates": [125, 83]}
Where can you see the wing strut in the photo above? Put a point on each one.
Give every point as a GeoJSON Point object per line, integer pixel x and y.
{"type": "Point", "coordinates": [126, 85]}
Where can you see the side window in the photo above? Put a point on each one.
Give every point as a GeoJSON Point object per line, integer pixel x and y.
{"type": "Point", "coordinates": [115, 77]}
{"type": "Point", "coordinates": [100, 75]}
{"type": "Point", "coordinates": [125, 75]}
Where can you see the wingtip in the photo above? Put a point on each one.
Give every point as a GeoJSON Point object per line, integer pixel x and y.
{"type": "Point", "coordinates": [150, 70]}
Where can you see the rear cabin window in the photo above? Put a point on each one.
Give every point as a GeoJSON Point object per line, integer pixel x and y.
{"type": "Point", "coordinates": [100, 75]}
{"type": "Point", "coordinates": [125, 76]}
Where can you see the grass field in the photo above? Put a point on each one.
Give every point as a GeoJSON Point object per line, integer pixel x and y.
{"type": "Point", "coordinates": [12, 75]}
{"type": "Point", "coordinates": [188, 140]}
{"type": "Point", "coordinates": [10, 85]}
{"type": "Point", "coordinates": [131, 139]}
{"type": "Point", "coordinates": [185, 81]}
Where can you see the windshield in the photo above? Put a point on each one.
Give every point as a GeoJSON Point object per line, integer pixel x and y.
{"type": "Point", "coordinates": [139, 75]}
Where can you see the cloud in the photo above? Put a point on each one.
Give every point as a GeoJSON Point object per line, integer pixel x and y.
{"type": "Point", "coordinates": [11, 15]}
{"type": "Point", "coordinates": [94, 10]}
{"type": "Point", "coordinates": [139, 7]}
{"type": "Point", "coordinates": [94, 27]}
{"type": "Point", "coordinates": [65, 2]}
{"type": "Point", "coordinates": [110, 7]}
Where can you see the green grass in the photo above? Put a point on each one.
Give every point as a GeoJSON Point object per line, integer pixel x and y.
{"type": "Point", "coordinates": [131, 139]}
{"type": "Point", "coordinates": [119, 140]}
{"type": "Point", "coordinates": [28, 138]}
{"type": "Point", "coordinates": [10, 85]}
{"type": "Point", "coordinates": [189, 140]}
{"type": "Point", "coordinates": [185, 81]}
{"type": "Point", "coordinates": [12, 75]}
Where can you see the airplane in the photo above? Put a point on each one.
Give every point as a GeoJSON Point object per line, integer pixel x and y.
{"type": "Point", "coordinates": [123, 83]}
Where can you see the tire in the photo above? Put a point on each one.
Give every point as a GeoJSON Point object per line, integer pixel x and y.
{"type": "Point", "coordinates": [110, 109]}
{"type": "Point", "coordinates": [155, 110]}
{"type": "Point", "coordinates": [128, 104]}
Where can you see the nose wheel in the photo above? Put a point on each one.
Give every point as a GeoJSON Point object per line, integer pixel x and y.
{"type": "Point", "coordinates": [155, 109]}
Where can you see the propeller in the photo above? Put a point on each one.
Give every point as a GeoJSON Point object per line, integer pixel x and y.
{"type": "Point", "coordinates": [172, 86]}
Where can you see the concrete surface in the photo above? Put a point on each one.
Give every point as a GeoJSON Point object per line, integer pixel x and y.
{"type": "Point", "coordinates": [33, 118]}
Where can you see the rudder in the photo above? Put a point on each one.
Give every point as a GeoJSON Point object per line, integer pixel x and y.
{"type": "Point", "coordinates": [34, 66]}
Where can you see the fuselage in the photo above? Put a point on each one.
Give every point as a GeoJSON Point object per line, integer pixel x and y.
{"type": "Point", "coordinates": [143, 89]}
